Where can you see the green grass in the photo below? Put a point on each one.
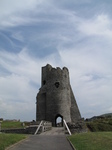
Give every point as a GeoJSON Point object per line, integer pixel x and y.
{"type": "Point", "coordinates": [92, 141]}
{"type": "Point", "coordinates": [9, 139]}
{"type": "Point", "coordinates": [11, 124]}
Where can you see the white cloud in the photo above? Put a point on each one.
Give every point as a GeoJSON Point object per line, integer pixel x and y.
{"type": "Point", "coordinates": [32, 12]}
{"type": "Point", "coordinates": [79, 43]}
{"type": "Point", "coordinates": [14, 13]}
{"type": "Point", "coordinates": [91, 80]}
{"type": "Point", "coordinates": [100, 25]}
{"type": "Point", "coordinates": [13, 6]}
{"type": "Point", "coordinates": [17, 97]}
{"type": "Point", "coordinates": [18, 88]}
{"type": "Point", "coordinates": [17, 110]}
{"type": "Point", "coordinates": [110, 109]}
{"type": "Point", "coordinates": [18, 36]}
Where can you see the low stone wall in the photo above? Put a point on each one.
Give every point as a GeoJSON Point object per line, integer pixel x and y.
{"type": "Point", "coordinates": [29, 130]}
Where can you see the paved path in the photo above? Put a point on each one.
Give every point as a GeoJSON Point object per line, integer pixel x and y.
{"type": "Point", "coordinates": [55, 131]}
{"type": "Point", "coordinates": [56, 141]}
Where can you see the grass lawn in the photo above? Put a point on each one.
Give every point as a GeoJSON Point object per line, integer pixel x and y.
{"type": "Point", "coordinates": [9, 139]}
{"type": "Point", "coordinates": [11, 124]}
{"type": "Point", "coordinates": [92, 141]}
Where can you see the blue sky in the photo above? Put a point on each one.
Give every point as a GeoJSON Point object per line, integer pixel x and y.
{"type": "Point", "coordinates": [75, 34]}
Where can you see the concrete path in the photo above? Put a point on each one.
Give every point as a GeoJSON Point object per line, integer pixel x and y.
{"type": "Point", "coordinates": [56, 141]}
{"type": "Point", "coordinates": [55, 131]}
{"type": "Point", "coordinates": [43, 142]}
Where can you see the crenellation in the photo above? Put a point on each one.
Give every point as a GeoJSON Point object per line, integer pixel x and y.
{"type": "Point", "coordinates": [65, 68]}
{"type": "Point", "coordinates": [49, 67]}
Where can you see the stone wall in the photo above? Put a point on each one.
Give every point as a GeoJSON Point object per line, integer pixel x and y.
{"type": "Point", "coordinates": [45, 126]}
{"type": "Point", "coordinates": [29, 130]}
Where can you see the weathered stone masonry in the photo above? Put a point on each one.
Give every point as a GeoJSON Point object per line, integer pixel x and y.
{"type": "Point", "coordinates": [55, 97]}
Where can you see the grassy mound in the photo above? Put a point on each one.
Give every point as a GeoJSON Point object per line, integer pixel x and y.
{"type": "Point", "coordinates": [9, 139]}
{"type": "Point", "coordinates": [97, 125]}
{"type": "Point", "coordinates": [92, 141]}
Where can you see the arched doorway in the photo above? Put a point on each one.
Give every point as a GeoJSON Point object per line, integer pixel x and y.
{"type": "Point", "coordinates": [59, 121]}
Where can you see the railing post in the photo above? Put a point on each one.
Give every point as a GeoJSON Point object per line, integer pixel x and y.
{"type": "Point", "coordinates": [67, 127]}
{"type": "Point", "coordinates": [38, 127]}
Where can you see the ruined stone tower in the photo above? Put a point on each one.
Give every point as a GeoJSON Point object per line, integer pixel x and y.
{"type": "Point", "coordinates": [55, 98]}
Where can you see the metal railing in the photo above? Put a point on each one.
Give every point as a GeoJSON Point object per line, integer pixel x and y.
{"type": "Point", "coordinates": [44, 125]}
{"type": "Point", "coordinates": [67, 127]}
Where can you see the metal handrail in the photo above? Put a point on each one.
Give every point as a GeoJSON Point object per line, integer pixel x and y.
{"type": "Point", "coordinates": [38, 127]}
{"type": "Point", "coordinates": [67, 127]}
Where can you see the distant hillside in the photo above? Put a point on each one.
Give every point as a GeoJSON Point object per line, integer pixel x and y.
{"type": "Point", "coordinates": [100, 123]}
{"type": "Point", "coordinates": [108, 115]}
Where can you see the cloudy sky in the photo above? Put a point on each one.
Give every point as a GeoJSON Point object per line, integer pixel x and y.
{"type": "Point", "coordinates": [75, 33]}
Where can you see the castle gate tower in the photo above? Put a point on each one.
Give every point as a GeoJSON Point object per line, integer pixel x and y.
{"type": "Point", "coordinates": [55, 97]}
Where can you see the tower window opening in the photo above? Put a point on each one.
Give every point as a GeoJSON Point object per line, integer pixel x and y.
{"type": "Point", "coordinates": [57, 84]}
{"type": "Point", "coordinates": [44, 82]}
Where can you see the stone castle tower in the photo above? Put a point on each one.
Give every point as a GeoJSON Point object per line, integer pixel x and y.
{"type": "Point", "coordinates": [55, 98]}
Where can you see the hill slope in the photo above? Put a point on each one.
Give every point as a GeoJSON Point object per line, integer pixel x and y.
{"type": "Point", "coordinates": [100, 123]}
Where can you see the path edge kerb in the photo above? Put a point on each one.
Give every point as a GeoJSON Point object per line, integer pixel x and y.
{"type": "Point", "coordinates": [71, 144]}
{"type": "Point", "coordinates": [11, 146]}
